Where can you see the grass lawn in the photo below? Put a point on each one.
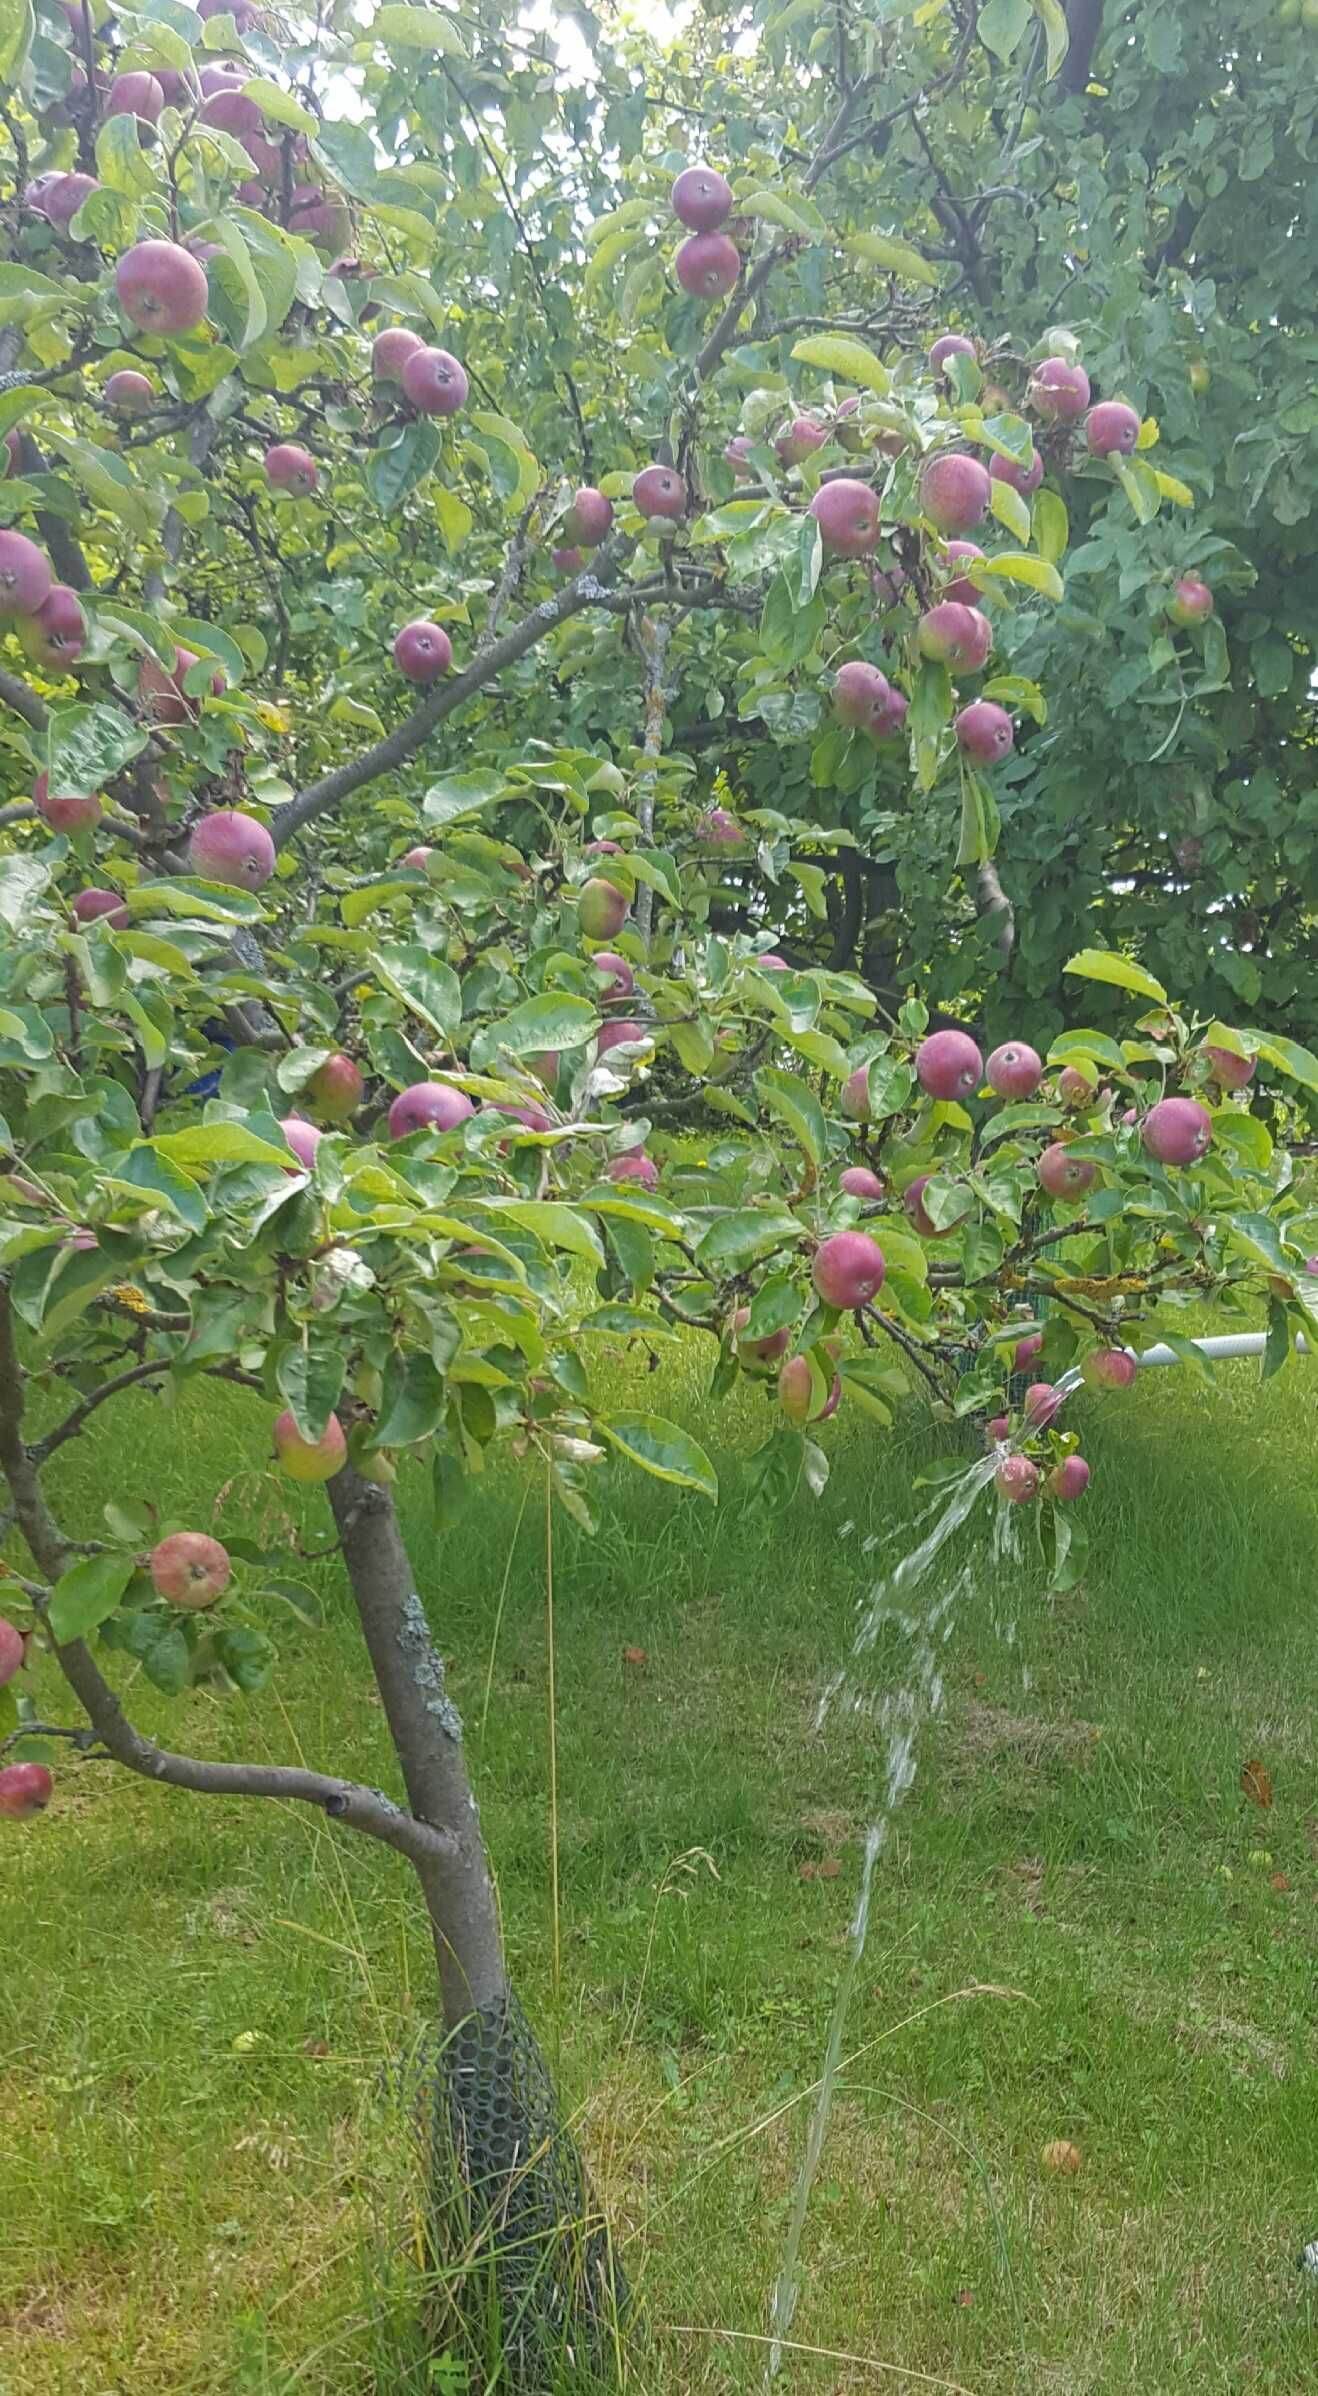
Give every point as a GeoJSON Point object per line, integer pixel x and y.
{"type": "Point", "coordinates": [1082, 1930]}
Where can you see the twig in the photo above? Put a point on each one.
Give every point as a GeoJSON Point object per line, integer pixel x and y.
{"type": "Point", "coordinates": [908, 1347]}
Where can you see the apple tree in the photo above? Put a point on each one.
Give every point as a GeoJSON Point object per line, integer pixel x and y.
{"type": "Point", "coordinates": [367, 936]}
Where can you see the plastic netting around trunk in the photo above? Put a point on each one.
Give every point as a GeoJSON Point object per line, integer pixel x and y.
{"type": "Point", "coordinates": [516, 2215]}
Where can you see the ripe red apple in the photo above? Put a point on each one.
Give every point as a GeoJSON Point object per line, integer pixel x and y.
{"type": "Point", "coordinates": [26, 580]}
{"type": "Point", "coordinates": [303, 1139]}
{"type": "Point", "coordinates": [423, 651]}
{"type": "Point", "coordinates": [701, 199]}
{"type": "Point", "coordinates": [308, 1459]}
{"type": "Point", "coordinates": [913, 1202]}
{"type": "Point", "coordinates": [601, 909]}
{"type": "Point", "coordinates": [1230, 1072]}
{"type": "Point", "coordinates": [1059, 391]}
{"type": "Point", "coordinates": [66, 196]}
{"type": "Point", "coordinates": [602, 848]}
{"type": "Point", "coordinates": [659, 493]}
{"type": "Point", "coordinates": [137, 94]}
{"type": "Point", "coordinates": [75, 813]}
{"type": "Point", "coordinates": [37, 192]}
{"type": "Point", "coordinates": [391, 350]}
{"type": "Point", "coordinates": [1112, 429]}
{"type": "Point", "coordinates": [736, 452]}
{"type": "Point", "coordinates": [769, 961]}
{"type": "Point", "coordinates": [190, 1570]}
{"type": "Point", "coordinates": [1042, 1403]}
{"type": "Point", "coordinates": [56, 635]}
{"type": "Point", "coordinates": [954, 492]}
{"type": "Point", "coordinates": [1025, 1351]}
{"type": "Point", "coordinates": [1191, 602]}
{"type": "Point", "coordinates": [291, 469]}
{"type": "Point", "coordinates": [800, 439]}
{"type": "Point", "coordinates": [962, 589]}
{"type": "Point", "coordinates": [567, 561]}
{"type": "Point", "coordinates": [129, 393]}
{"type": "Point", "coordinates": [227, 107]}
{"type": "Point", "coordinates": [758, 1355]}
{"type": "Point", "coordinates": [24, 1789]}
{"type": "Point", "coordinates": [1177, 1131]}
{"type": "Point", "coordinates": [623, 1032]}
{"type": "Point", "coordinates": [621, 980]}
{"type": "Point", "coordinates": [707, 265]}
{"type": "Point", "coordinates": [1015, 1070]}
{"type": "Point", "coordinates": [161, 288]}
{"type": "Point", "coordinates": [949, 1065]}
{"type": "Point", "coordinates": [1063, 1175]}
{"type": "Point", "coordinates": [428, 1106]}
{"type": "Point", "coordinates": [998, 1429]}
{"type": "Point", "coordinates": [1109, 1368]}
{"type": "Point", "coordinates": [1024, 479]}
{"type": "Point", "coordinates": [1074, 1088]}
{"type": "Point", "coordinates": [635, 1166]}
{"type": "Point", "coordinates": [1070, 1479]}
{"type": "Point", "coordinates": [13, 1648]}
{"type": "Point", "coordinates": [718, 829]}
{"type": "Point", "coordinates": [1017, 1479]}
{"type": "Point", "coordinates": [956, 636]}
{"type": "Point", "coordinates": [859, 1182]}
{"type": "Point", "coordinates": [100, 906]}
{"type": "Point", "coordinates": [335, 1088]}
{"type": "Point", "coordinates": [418, 858]}
{"type": "Point", "coordinates": [862, 697]}
{"type": "Point", "coordinates": [232, 848]}
{"type": "Point", "coordinates": [589, 518]}
{"type": "Point", "coordinates": [847, 513]}
{"type": "Point", "coordinates": [434, 382]}
{"type": "Point", "coordinates": [856, 1095]}
{"type": "Point", "coordinates": [949, 345]}
{"type": "Point", "coordinates": [898, 710]}
{"type": "Point", "coordinates": [848, 1270]}
{"type": "Point", "coordinates": [984, 732]}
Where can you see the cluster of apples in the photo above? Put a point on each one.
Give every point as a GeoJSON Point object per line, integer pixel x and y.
{"type": "Point", "coordinates": [709, 261]}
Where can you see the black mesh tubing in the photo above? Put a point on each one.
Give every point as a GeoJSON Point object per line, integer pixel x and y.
{"type": "Point", "coordinates": [531, 2231]}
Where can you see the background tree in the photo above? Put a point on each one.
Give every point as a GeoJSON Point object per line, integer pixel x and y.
{"type": "Point", "coordinates": [337, 1080]}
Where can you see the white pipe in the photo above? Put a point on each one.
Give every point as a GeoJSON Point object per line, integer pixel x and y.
{"type": "Point", "coordinates": [1237, 1343]}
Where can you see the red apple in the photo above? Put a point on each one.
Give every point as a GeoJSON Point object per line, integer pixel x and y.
{"type": "Point", "coordinates": [1112, 430]}
{"type": "Point", "coordinates": [1015, 1070]}
{"type": "Point", "coordinates": [232, 848]}
{"type": "Point", "coordinates": [161, 288]}
{"type": "Point", "coordinates": [1063, 1175]}
{"type": "Point", "coordinates": [1230, 1072]}
{"type": "Point", "coordinates": [949, 345]}
{"type": "Point", "coordinates": [13, 1648]}
{"type": "Point", "coordinates": [55, 637]}
{"type": "Point", "coordinates": [1025, 479]}
{"type": "Point", "coordinates": [621, 980]}
{"type": "Point", "coordinates": [601, 909]}
{"type": "Point", "coordinates": [291, 469]}
{"type": "Point", "coordinates": [660, 494]}
{"type": "Point", "coordinates": [74, 813]}
{"type": "Point", "coordinates": [800, 439]}
{"type": "Point", "coordinates": [635, 1166]}
{"type": "Point", "coordinates": [25, 576]}
{"type": "Point", "coordinates": [434, 382]}
{"type": "Point", "coordinates": [862, 697]}
{"type": "Point", "coordinates": [701, 199]}
{"type": "Point", "coordinates": [423, 651]}
{"type": "Point", "coordinates": [1191, 602]}
{"type": "Point", "coordinates": [859, 1182]}
{"type": "Point", "coordinates": [24, 1789]}
{"type": "Point", "coordinates": [589, 518]}
{"type": "Point", "coordinates": [335, 1088]}
{"type": "Point", "coordinates": [954, 492]}
{"type": "Point", "coordinates": [391, 350]}
{"type": "Point", "coordinates": [949, 1065]}
{"type": "Point", "coordinates": [1109, 1368]}
{"type": "Point", "coordinates": [984, 732]}
{"type": "Point", "coordinates": [100, 906]}
{"type": "Point", "coordinates": [847, 513]}
{"type": "Point", "coordinates": [1177, 1131]}
{"type": "Point", "coordinates": [848, 1270]}
{"type": "Point", "coordinates": [1017, 1479]}
{"type": "Point", "coordinates": [1059, 391]}
{"type": "Point", "coordinates": [707, 265]}
{"type": "Point", "coordinates": [309, 1459]}
{"type": "Point", "coordinates": [1070, 1479]}
{"type": "Point", "coordinates": [129, 393]}
{"type": "Point", "coordinates": [956, 636]}
{"type": "Point", "coordinates": [190, 1570]}
{"type": "Point", "coordinates": [962, 589]}
{"type": "Point", "coordinates": [137, 94]}
{"type": "Point", "coordinates": [428, 1106]}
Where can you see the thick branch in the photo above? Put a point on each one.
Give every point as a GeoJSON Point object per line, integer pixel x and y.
{"type": "Point", "coordinates": [1084, 19]}
{"type": "Point", "coordinates": [995, 904]}
{"type": "Point", "coordinates": [16, 695]}
{"type": "Point", "coordinates": [586, 590]}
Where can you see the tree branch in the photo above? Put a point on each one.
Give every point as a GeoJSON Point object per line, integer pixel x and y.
{"type": "Point", "coordinates": [16, 695]}
{"type": "Point", "coordinates": [994, 903]}
{"type": "Point", "coordinates": [72, 1424]}
{"type": "Point", "coordinates": [586, 590]}
{"type": "Point", "coordinates": [1084, 20]}
{"type": "Point", "coordinates": [359, 1808]}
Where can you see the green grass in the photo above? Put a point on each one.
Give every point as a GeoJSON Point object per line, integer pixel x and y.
{"type": "Point", "coordinates": [205, 2180]}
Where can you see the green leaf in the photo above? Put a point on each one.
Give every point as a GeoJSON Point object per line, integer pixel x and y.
{"type": "Point", "coordinates": [1015, 690]}
{"type": "Point", "coordinates": [413, 1401]}
{"type": "Point", "coordinates": [1139, 483]}
{"type": "Point", "coordinates": [110, 484]}
{"type": "Point", "coordinates": [392, 472]}
{"type": "Point", "coordinates": [143, 1170]}
{"type": "Point", "coordinates": [839, 354]}
{"type": "Point", "coordinates": [86, 1595]}
{"type": "Point", "coordinates": [795, 1104]}
{"type": "Point", "coordinates": [17, 26]}
{"type": "Point", "coordinates": [550, 1021]}
{"type": "Point", "coordinates": [422, 983]}
{"type": "Point", "coordinates": [896, 257]}
{"type": "Point", "coordinates": [1171, 487]}
{"type": "Point", "coordinates": [274, 102]}
{"type": "Point", "coordinates": [121, 162]}
{"type": "Point", "coordinates": [1009, 566]}
{"type": "Point", "coordinates": [1011, 510]}
{"type": "Point", "coordinates": [558, 1226]}
{"type": "Point", "coordinates": [310, 1379]}
{"type": "Point", "coordinates": [218, 1143]}
{"type": "Point", "coordinates": [457, 795]}
{"type": "Point", "coordinates": [1052, 525]}
{"type": "Point", "coordinates": [737, 1238]}
{"type": "Point", "coordinates": [1103, 965]}
{"type": "Point", "coordinates": [661, 1448]}
{"type": "Point", "coordinates": [1053, 17]}
{"type": "Point", "coordinates": [406, 28]}
{"type": "Point", "coordinates": [1001, 25]}
{"type": "Point", "coordinates": [454, 519]}
{"type": "Point", "coordinates": [793, 216]}
{"type": "Point", "coordinates": [1288, 1057]}
{"type": "Point", "coordinates": [87, 745]}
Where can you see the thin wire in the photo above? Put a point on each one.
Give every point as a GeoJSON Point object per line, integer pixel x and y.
{"type": "Point", "coordinates": [553, 1734]}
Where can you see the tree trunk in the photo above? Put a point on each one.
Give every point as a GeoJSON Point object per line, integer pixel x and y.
{"type": "Point", "coordinates": [519, 2241]}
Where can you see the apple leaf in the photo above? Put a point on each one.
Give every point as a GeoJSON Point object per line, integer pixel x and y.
{"type": "Point", "coordinates": [1103, 965]}
{"type": "Point", "coordinates": [1036, 572]}
{"type": "Point", "coordinates": [661, 1448]}
{"type": "Point", "coordinates": [840, 354]}
{"type": "Point", "coordinates": [898, 257]}
{"type": "Point", "coordinates": [86, 1595]}
{"type": "Point", "coordinates": [406, 28]}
